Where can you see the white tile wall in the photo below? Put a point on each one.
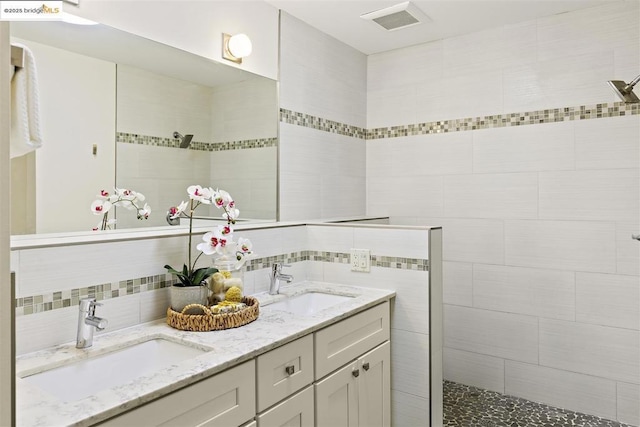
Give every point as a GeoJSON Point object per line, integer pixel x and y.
{"type": "Point", "coordinates": [408, 409]}
{"type": "Point", "coordinates": [342, 196]}
{"type": "Point", "coordinates": [152, 104]}
{"type": "Point", "coordinates": [579, 78]}
{"type": "Point", "coordinates": [608, 299]}
{"type": "Point", "coordinates": [153, 304]}
{"type": "Point", "coordinates": [506, 335]}
{"type": "Point", "coordinates": [321, 76]}
{"type": "Point", "coordinates": [471, 240]}
{"type": "Point", "coordinates": [425, 155]}
{"type": "Point", "coordinates": [564, 389]}
{"type": "Point", "coordinates": [629, 403]}
{"type": "Point", "coordinates": [402, 98]}
{"type": "Point", "coordinates": [530, 148]}
{"type": "Point", "coordinates": [322, 175]}
{"type": "Point", "coordinates": [233, 118]}
{"type": "Point", "coordinates": [388, 196]}
{"type": "Point", "coordinates": [596, 350]}
{"type": "Point", "coordinates": [249, 175]}
{"type": "Point", "coordinates": [299, 196]}
{"type": "Point", "coordinates": [560, 252]}
{"type": "Point", "coordinates": [124, 260]}
{"type": "Point", "coordinates": [564, 245]}
{"type": "Point", "coordinates": [490, 49]}
{"type": "Point", "coordinates": [611, 143]}
{"type": "Point", "coordinates": [404, 243]}
{"type": "Point", "coordinates": [592, 29]}
{"type": "Point", "coordinates": [537, 292]}
{"type": "Point", "coordinates": [409, 365]}
{"type": "Point", "coordinates": [605, 195]}
{"type": "Point", "coordinates": [457, 280]}
{"type": "Point", "coordinates": [474, 369]}
{"type": "Point", "coordinates": [627, 249]}
{"type": "Point", "coordinates": [513, 195]}
{"type": "Point", "coordinates": [46, 329]}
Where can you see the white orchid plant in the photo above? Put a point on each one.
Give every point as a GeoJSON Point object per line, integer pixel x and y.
{"type": "Point", "coordinates": [217, 242]}
{"type": "Point", "coordinates": [129, 199]}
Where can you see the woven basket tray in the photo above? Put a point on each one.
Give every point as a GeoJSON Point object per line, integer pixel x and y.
{"type": "Point", "coordinates": [213, 322]}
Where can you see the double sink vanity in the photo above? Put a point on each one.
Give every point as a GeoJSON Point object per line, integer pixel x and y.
{"type": "Point", "coordinates": [318, 353]}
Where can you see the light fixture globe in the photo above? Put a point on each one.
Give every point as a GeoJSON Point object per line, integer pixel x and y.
{"type": "Point", "coordinates": [236, 47]}
{"type": "Point", "coordinates": [240, 45]}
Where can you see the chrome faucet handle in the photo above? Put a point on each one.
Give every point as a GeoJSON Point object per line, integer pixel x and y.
{"type": "Point", "coordinates": [277, 266]}
{"type": "Point", "coordinates": [97, 322]}
{"type": "Point", "coordinates": [89, 305]}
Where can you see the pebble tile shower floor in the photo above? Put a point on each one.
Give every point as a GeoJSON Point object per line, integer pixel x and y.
{"type": "Point", "coordinates": [466, 406]}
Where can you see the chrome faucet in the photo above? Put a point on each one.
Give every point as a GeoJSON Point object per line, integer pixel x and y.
{"type": "Point", "coordinates": [276, 276]}
{"type": "Point", "coordinates": [88, 322]}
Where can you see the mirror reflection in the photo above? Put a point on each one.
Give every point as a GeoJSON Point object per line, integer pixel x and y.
{"type": "Point", "coordinates": [115, 110]}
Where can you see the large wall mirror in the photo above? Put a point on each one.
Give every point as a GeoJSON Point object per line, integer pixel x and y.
{"type": "Point", "coordinates": [110, 104]}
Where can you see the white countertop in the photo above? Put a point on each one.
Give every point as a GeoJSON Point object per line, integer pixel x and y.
{"type": "Point", "coordinates": [228, 347]}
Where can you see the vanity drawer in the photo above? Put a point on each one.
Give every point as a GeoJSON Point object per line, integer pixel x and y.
{"type": "Point", "coordinates": [344, 341]}
{"type": "Point", "coordinates": [284, 371]}
{"type": "Point", "coordinates": [226, 399]}
{"type": "Point", "coordinates": [296, 411]}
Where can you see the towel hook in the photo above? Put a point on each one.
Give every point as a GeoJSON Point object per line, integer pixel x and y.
{"type": "Point", "coordinates": [17, 56]}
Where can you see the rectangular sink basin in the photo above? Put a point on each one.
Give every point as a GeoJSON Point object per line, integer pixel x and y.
{"type": "Point", "coordinates": [83, 378]}
{"type": "Point", "coordinates": [309, 303]}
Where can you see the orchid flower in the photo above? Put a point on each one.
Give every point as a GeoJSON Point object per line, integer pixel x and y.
{"type": "Point", "coordinates": [222, 199]}
{"type": "Point", "coordinates": [128, 199]}
{"type": "Point", "coordinates": [101, 207]}
{"type": "Point", "coordinates": [199, 194]}
{"type": "Point", "coordinates": [213, 242]}
{"type": "Point", "coordinates": [216, 242]}
{"type": "Point", "coordinates": [144, 212]}
{"type": "Point", "coordinates": [176, 211]}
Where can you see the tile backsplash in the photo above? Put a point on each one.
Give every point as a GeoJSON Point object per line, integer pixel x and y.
{"type": "Point", "coordinates": [34, 304]}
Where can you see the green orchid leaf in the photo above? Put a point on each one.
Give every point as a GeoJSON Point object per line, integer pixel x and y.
{"type": "Point", "coordinates": [202, 273]}
{"type": "Point", "coordinates": [184, 278]}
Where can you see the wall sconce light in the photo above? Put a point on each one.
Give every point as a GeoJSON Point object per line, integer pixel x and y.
{"type": "Point", "coordinates": [235, 47]}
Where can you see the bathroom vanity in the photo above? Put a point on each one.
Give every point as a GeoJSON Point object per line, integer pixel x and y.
{"type": "Point", "coordinates": [274, 371]}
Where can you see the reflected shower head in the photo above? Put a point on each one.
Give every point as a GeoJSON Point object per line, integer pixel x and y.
{"type": "Point", "coordinates": [185, 140]}
{"type": "Point", "coordinates": [624, 90]}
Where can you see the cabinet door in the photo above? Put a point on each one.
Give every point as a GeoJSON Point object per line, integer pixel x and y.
{"type": "Point", "coordinates": [374, 387]}
{"type": "Point", "coordinates": [226, 399]}
{"type": "Point", "coordinates": [337, 398]}
{"type": "Point", "coordinates": [296, 411]}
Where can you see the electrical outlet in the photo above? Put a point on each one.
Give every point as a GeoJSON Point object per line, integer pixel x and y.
{"type": "Point", "coordinates": [361, 260]}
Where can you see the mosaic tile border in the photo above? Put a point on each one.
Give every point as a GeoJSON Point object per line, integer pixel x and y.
{"type": "Point", "coordinates": [468, 406]}
{"type": "Point", "coordinates": [553, 115]}
{"type": "Point", "coordinates": [131, 138]}
{"type": "Point", "coordinates": [314, 122]}
{"type": "Point", "coordinates": [62, 299]}
{"type": "Point", "coordinates": [71, 297]}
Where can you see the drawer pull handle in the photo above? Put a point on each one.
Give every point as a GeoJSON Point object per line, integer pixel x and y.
{"type": "Point", "coordinates": [365, 366]}
{"type": "Point", "coordinates": [290, 369]}
{"type": "Point", "coordinates": [356, 373]}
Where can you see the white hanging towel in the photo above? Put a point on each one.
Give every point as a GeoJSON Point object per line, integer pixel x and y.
{"type": "Point", "coordinates": [26, 134]}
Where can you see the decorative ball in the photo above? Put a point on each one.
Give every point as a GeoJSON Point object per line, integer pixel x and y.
{"type": "Point", "coordinates": [234, 294]}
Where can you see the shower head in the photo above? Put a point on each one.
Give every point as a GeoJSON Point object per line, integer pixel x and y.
{"type": "Point", "coordinates": [185, 140]}
{"type": "Point", "coordinates": [624, 90]}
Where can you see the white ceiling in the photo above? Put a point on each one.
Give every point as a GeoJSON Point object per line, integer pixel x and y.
{"type": "Point", "coordinates": [341, 18]}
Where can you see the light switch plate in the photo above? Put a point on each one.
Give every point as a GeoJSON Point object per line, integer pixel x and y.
{"type": "Point", "coordinates": [361, 260]}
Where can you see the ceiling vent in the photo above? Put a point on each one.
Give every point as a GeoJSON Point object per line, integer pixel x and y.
{"type": "Point", "coordinates": [396, 17]}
